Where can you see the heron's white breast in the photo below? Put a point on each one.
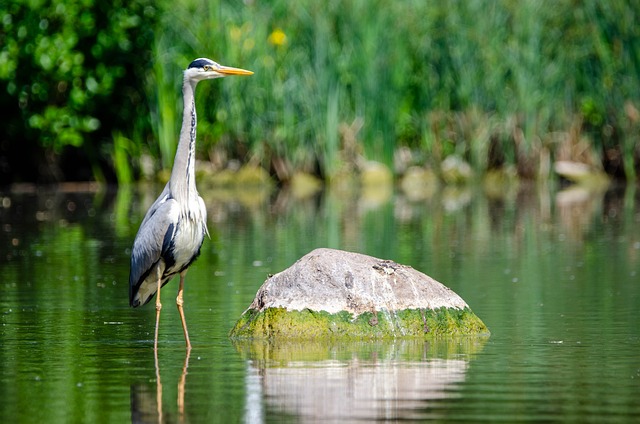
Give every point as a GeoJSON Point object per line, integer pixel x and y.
{"type": "Point", "coordinates": [187, 241]}
{"type": "Point", "coordinates": [189, 232]}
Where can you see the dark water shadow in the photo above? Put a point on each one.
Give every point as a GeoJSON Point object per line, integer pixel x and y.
{"type": "Point", "coordinates": [352, 381]}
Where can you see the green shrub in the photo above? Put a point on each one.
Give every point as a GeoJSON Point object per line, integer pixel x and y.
{"type": "Point", "coordinates": [71, 74]}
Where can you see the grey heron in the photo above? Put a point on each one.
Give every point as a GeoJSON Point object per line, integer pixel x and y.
{"type": "Point", "coordinates": [173, 229]}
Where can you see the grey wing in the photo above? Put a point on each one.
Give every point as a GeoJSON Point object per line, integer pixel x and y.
{"type": "Point", "coordinates": [203, 213]}
{"type": "Point", "coordinates": [155, 234]}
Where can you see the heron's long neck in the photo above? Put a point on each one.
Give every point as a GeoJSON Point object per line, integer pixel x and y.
{"type": "Point", "coordinates": [183, 182]}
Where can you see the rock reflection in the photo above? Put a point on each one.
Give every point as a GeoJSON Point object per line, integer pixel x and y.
{"type": "Point", "coordinates": [577, 206]}
{"type": "Point", "coordinates": [350, 381]}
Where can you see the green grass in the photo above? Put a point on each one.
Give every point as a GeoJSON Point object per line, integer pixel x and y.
{"type": "Point", "coordinates": [439, 78]}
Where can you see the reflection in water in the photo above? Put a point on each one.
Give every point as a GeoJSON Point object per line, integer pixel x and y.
{"type": "Point", "coordinates": [576, 207]}
{"type": "Point", "coordinates": [555, 275]}
{"type": "Point", "coordinates": [369, 381]}
{"type": "Point", "coordinates": [352, 390]}
{"type": "Point", "coordinates": [181, 383]}
{"type": "Point", "coordinates": [146, 409]}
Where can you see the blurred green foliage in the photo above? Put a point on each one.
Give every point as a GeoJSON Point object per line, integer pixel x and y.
{"type": "Point", "coordinates": [416, 73]}
{"type": "Point", "coordinates": [71, 73]}
{"type": "Point", "coordinates": [335, 83]}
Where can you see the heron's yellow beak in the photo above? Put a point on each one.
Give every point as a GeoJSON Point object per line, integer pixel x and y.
{"type": "Point", "coordinates": [227, 70]}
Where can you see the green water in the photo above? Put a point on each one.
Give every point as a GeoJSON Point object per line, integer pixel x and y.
{"type": "Point", "coordinates": [554, 275]}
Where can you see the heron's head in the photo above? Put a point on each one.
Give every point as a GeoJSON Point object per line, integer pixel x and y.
{"type": "Point", "coordinates": [203, 68]}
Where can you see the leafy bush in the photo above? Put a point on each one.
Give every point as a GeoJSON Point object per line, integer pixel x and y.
{"type": "Point", "coordinates": [71, 74]}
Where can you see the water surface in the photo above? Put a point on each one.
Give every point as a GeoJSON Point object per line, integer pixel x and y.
{"type": "Point", "coordinates": [554, 275]}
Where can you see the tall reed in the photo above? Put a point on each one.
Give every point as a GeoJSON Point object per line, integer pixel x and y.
{"type": "Point", "coordinates": [440, 78]}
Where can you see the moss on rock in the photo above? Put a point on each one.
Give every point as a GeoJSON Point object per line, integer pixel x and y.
{"type": "Point", "coordinates": [308, 324]}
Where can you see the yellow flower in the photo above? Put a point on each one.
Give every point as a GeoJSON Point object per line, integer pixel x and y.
{"type": "Point", "coordinates": [277, 37]}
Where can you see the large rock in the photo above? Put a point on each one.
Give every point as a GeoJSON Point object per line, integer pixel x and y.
{"type": "Point", "coordinates": [336, 294]}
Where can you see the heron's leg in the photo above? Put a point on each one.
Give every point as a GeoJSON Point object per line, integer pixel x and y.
{"type": "Point", "coordinates": [158, 308]}
{"type": "Point", "coordinates": [180, 302]}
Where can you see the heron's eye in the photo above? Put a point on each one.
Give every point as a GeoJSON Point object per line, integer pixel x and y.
{"type": "Point", "coordinates": [208, 68]}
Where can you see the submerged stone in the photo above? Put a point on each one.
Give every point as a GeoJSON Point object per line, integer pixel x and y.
{"type": "Point", "coordinates": [331, 293]}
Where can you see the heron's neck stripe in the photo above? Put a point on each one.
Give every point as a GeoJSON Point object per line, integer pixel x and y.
{"type": "Point", "coordinates": [192, 142]}
{"type": "Point", "coordinates": [193, 122]}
